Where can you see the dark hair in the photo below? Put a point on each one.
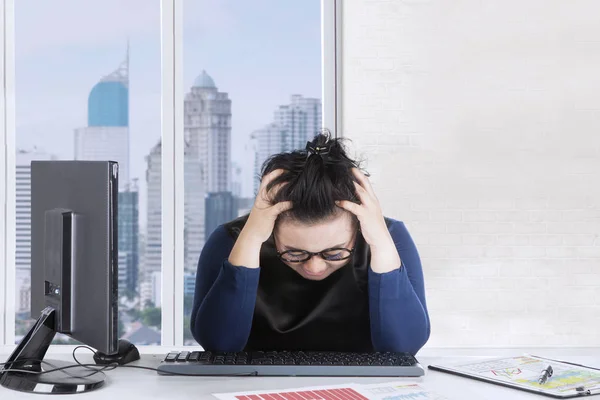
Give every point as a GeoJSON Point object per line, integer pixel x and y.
{"type": "Point", "coordinates": [313, 182]}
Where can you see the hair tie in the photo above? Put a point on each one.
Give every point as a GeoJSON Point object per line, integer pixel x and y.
{"type": "Point", "coordinates": [321, 151]}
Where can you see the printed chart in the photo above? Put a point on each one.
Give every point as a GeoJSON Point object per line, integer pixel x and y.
{"type": "Point", "coordinates": [309, 393]}
{"type": "Point", "coordinates": [380, 391]}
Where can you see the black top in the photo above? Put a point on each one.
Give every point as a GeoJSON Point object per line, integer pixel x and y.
{"type": "Point", "coordinates": [294, 313]}
{"type": "Point", "coordinates": [274, 308]}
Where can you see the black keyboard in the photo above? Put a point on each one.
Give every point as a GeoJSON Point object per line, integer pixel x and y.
{"type": "Point", "coordinates": [292, 363]}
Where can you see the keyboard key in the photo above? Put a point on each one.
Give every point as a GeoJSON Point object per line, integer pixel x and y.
{"type": "Point", "coordinates": [171, 356]}
{"type": "Point", "coordinates": [183, 356]}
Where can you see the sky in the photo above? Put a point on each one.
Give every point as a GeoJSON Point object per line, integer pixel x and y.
{"type": "Point", "coordinates": [260, 52]}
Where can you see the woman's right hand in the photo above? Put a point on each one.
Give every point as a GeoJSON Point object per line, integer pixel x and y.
{"type": "Point", "coordinates": [261, 221]}
{"type": "Point", "coordinates": [259, 226]}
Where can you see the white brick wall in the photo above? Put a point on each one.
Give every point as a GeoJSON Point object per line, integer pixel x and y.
{"type": "Point", "coordinates": [480, 121]}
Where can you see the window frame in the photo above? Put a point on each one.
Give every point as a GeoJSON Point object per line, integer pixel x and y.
{"type": "Point", "coordinates": [172, 137]}
{"type": "Point", "coordinates": [3, 270]}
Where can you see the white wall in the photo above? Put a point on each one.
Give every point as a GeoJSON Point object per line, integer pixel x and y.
{"type": "Point", "coordinates": [481, 124]}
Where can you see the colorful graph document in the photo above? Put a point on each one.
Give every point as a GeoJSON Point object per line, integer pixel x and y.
{"type": "Point", "coordinates": [397, 391]}
{"type": "Point", "coordinates": [346, 392]}
{"type": "Point", "coordinates": [379, 391]}
{"type": "Point", "coordinates": [523, 372]}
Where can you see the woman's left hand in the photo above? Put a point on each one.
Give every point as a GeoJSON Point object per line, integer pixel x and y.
{"type": "Point", "coordinates": [384, 255]}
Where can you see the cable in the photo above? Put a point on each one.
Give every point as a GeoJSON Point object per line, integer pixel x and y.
{"type": "Point", "coordinates": [29, 371]}
{"type": "Point", "coordinates": [146, 368]}
{"type": "Point", "coordinates": [93, 367]}
{"type": "Point", "coordinates": [100, 369]}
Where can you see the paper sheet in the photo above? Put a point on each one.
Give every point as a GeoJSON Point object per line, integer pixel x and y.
{"type": "Point", "coordinates": [330, 392]}
{"type": "Point", "coordinates": [397, 391]}
{"type": "Point", "coordinates": [525, 371]}
{"type": "Point", "coordinates": [379, 391]}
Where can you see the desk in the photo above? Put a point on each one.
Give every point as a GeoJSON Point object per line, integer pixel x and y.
{"type": "Point", "coordinates": [133, 384]}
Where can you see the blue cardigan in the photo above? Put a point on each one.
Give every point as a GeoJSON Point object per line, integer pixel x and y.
{"type": "Point", "coordinates": [225, 297]}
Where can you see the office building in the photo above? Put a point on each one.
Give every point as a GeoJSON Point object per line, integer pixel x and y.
{"type": "Point", "coordinates": [23, 206]}
{"type": "Point", "coordinates": [207, 127]}
{"type": "Point", "coordinates": [302, 120]}
{"type": "Point", "coordinates": [189, 284]}
{"type": "Point", "coordinates": [194, 210]}
{"type": "Point", "coordinates": [24, 297]}
{"type": "Point", "coordinates": [237, 179]}
{"type": "Point", "coordinates": [122, 276]}
{"type": "Point", "coordinates": [294, 124]}
{"type": "Point", "coordinates": [194, 194]}
{"type": "Point", "coordinates": [152, 252]}
{"type": "Point", "coordinates": [107, 135]}
{"type": "Point", "coordinates": [150, 290]}
{"type": "Point", "coordinates": [221, 207]}
{"type": "Point", "coordinates": [128, 239]}
{"type": "Point", "coordinates": [267, 141]}
{"type": "Point", "coordinates": [98, 143]}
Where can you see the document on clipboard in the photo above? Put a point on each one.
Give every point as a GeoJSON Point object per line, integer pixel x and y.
{"type": "Point", "coordinates": [544, 376]}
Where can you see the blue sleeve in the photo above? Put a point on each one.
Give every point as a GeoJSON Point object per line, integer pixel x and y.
{"type": "Point", "coordinates": [399, 317]}
{"type": "Point", "coordinates": [224, 297]}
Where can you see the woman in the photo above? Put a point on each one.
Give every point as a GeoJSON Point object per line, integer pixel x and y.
{"type": "Point", "coordinates": [314, 266]}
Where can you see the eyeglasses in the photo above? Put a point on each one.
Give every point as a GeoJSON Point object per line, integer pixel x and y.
{"type": "Point", "coordinates": [331, 254]}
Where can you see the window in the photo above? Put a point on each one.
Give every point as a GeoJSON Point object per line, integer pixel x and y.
{"type": "Point", "coordinates": [89, 89]}
{"type": "Point", "coordinates": [242, 72]}
{"type": "Point", "coordinates": [186, 102]}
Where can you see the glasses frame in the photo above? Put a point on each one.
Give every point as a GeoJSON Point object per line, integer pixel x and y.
{"type": "Point", "coordinates": [310, 254]}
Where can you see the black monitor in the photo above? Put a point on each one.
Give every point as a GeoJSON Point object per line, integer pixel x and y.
{"type": "Point", "coordinates": [74, 273]}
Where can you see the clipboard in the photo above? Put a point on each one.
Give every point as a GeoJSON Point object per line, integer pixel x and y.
{"type": "Point", "coordinates": [569, 380]}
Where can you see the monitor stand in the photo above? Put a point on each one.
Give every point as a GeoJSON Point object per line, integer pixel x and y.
{"type": "Point", "coordinates": [28, 356]}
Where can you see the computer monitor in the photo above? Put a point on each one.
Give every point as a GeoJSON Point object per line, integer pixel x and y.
{"type": "Point", "coordinates": [74, 272]}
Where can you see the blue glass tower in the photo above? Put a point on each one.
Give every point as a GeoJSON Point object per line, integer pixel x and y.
{"type": "Point", "coordinates": [108, 104]}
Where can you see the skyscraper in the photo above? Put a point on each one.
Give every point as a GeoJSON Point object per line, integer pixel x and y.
{"type": "Point", "coordinates": [128, 214]}
{"type": "Point", "coordinates": [302, 119]}
{"type": "Point", "coordinates": [221, 207]}
{"type": "Point", "coordinates": [194, 209]}
{"type": "Point", "coordinates": [267, 141]}
{"type": "Point", "coordinates": [207, 127]}
{"type": "Point", "coordinates": [294, 124]}
{"type": "Point", "coordinates": [152, 254]}
{"type": "Point", "coordinates": [237, 178]}
{"type": "Point", "coordinates": [23, 224]}
{"type": "Point", "coordinates": [23, 207]}
{"type": "Point", "coordinates": [194, 195]}
{"type": "Point", "coordinates": [107, 135]}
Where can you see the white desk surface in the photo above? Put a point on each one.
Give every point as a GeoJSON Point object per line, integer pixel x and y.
{"type": "Point", "coordinates": [132, 384]}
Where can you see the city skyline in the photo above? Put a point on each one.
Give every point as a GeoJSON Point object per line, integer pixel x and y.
{"type": "Point", "coordinates": [216, 37]}
{"type": "Point", "coordinates": [208, 179]}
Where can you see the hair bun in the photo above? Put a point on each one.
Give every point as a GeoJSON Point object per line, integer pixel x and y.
{"type": "Point", "coordinates": [315, 177]}
{"type": "Point", "coordinates": [321, 145]}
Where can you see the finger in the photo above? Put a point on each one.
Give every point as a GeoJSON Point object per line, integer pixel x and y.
{"type": "Point", "coordinates": [363, 195]}
{"type": "Point", "coordinates": [270, 177]}
{"type": "Point", "coordinates": [282, 207]}
{"type": "Point", "coordinates": [364, 181]}
{"type": "Point", "coordinates": [268, 195]}
{"type": "Point", "coordinates": [354, 208]}
{"type": "Point", "coordinates": [275, 189]}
